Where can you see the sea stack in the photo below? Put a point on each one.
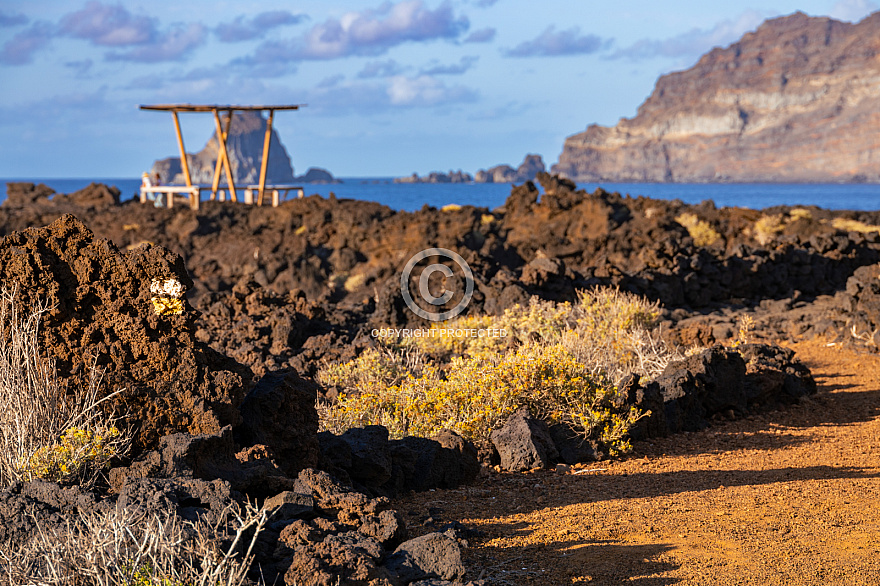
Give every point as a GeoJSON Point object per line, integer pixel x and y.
{"type": "Point", "coordinates": [245, 147]}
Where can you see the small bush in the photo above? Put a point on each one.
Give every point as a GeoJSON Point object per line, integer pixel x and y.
{"type": "Point", "coordinates": [561, 360]}
{"type": "Point", "coordinates": [480, 392]}
{"type": "Point", "coordinates": [43, 432]}
{"type": "Point", "coordinates": [700, 230]}
{"type": "Point", "coordinates": [800, 214]}
{"type": "Point", "coordinates": [75, 456]}
{"type": "Point", "coordinates": [767, 227]}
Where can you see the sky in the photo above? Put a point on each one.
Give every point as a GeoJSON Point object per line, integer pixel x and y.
{"type": "Point", "coordinates": [392, 87]}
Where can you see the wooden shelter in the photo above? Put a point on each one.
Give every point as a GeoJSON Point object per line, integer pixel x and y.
{"type": "Point", "coordinates": [222, 154]}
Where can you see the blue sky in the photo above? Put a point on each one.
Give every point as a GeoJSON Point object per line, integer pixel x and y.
{"type": "Point", "coordinates": [392, 87]}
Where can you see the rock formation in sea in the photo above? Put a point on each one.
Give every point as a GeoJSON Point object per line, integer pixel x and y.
{"type": "Point", "coordinates": [527, 171]}
{"type": "Point", "coordinates": [437, 177]}
{"type": "Point", "coordinates": [317, 175]}
{"type": "Point", "coordinates": [245, 147]}
{"type": "Point", "coordinates": [795, 100]}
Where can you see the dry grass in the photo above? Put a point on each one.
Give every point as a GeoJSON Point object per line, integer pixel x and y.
{"type": "Point", "coordinates": [41, 428]}
{"type": "Point", "coordinates": [125, 548]}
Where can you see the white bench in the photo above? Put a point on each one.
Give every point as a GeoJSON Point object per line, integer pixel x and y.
{"type": "Point", "coordinates": [250, 191]}
{"type": "Point", "coordinates": [171, 190]}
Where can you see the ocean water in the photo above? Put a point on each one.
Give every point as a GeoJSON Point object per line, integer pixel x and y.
{"type": "Point", "coordinates": [411, 197]}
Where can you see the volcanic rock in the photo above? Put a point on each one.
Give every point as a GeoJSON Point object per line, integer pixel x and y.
{"type": "Point", "coordinates": [524, 443]}
{"type": "Point", "coordinates": [101, 311]}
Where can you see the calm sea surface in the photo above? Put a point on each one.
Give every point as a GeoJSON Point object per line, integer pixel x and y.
{"type": "Point", "coordinates": [410, 197]}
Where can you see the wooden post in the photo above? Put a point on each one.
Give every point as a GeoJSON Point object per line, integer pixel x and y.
{"type": "Point", "coordinates": [264, 164]}
{"type": "Point", "coordinates": [222, 153]}
{"type": "Point", "coordinates": [219, 164]}
{"type": "Point", "coordinates": [276, 198]}
{"type": "Point", "coordinates": [183, 162]}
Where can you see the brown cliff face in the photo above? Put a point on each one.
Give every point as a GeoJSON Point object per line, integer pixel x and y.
{"type": "Point", "coordinates": [796, 100]}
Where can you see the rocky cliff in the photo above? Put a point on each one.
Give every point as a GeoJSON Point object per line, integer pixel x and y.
{"type": "Point", "coordinates": [795, 100]}
{"type": "Point", "coordinates": [245, 147]}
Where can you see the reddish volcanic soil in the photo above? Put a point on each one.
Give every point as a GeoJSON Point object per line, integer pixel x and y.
{"type": "Point", "coordinates": [787, 498]}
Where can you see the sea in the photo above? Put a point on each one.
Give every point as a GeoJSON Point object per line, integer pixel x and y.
{"type": "Point", "coordinates": [413, 196]}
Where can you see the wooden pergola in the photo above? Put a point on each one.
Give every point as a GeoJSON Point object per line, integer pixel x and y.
{"type": "Point", "coordinates": [222, 153]}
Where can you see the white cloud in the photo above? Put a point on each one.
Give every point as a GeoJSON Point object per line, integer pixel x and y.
{"type": "Point", "coordinates": [368, 32]}
{"type": "Point", "coordinates": [426, 91]}
{"type": "Point", "coordinates": [852, 10]}
{"type": "Point", "coordinates": [694, 42]}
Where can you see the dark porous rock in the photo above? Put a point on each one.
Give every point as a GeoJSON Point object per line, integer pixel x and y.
{"type": "Point", "coordinates": [290, 505]}
{"type": "Point", "coordinates": [444, 461]}
{"type": "Point", "coordinates": [102, 306]}
{"type": "Point", "coordinates": [280, 412]}
{"type": "Point", "coordinates": [94, 196]}
{"type": "Point", "coordinates": [190, 498]}
{"type": "Point", "coordinates": [346, 504]}
{"type": "Point", "coordinates": [371, 464]}
{"type": "Point", "coordinates": [335, 456]}
{"type": "Point", "coordinates": [206, 457]}
{"type": "Point", "coordinates": [434, 555]}
{"type": "Point", "coordinates": [701, 386]}
{"type": "Point", "coordinates": [20, 195]}
{"type": "Point", "coordinates": [720, 373]}
{"type": "Point", "coordinates": [682, 405]}
{"type": "Point", "coordinates": [524, 443]}
{"type": "Point", "coordinates": [387, 527]}
{"type": "Point", "coordinates": [345, 558]}
{"type": "Point", "coordinates": [24, 504]}
{"type": "Point", "coordinates": [649, 400]}
{"type": "Point", "coordinates": [774, 376]}
{"type": "Point", "coordinates": [573, 447]}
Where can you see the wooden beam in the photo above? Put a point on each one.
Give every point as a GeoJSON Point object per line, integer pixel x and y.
{"type": "Point", "coordinates": [212, 107]}
{"type": "Point", "coordinates": [222, 139]}
{"type": "Point", "coordinates": [264, 164]}
{"type": "Point", "coordinates": [218, 166]}
{"type": "Point", "coordinates": [183, 162]}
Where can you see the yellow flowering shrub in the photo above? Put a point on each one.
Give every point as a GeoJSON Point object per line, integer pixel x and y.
{"type": "Point", "coordinates": [478, 393]}
{"type": "Point", "coordinates": [700, 230]}
{"type": "Point", "coordinates": [78, 452]}
{"type": "Point", "coordinates": [167, 305]}
{"type": "Point", "coordinates": [145, 575]}
{"type": "Point", "coordinates": [561, 360]}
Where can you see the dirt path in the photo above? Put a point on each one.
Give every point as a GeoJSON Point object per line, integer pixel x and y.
{"type": "Point", "coordinates": [792, 497]}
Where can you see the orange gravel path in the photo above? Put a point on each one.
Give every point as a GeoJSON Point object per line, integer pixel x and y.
{"type": "Point", "coordinates": [788, 498]}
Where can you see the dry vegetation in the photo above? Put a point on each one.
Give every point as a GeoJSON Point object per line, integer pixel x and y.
{"type": "Point", "coordinates": [700, 230]}
{"type": "Point", "coordinates": [127, 548]}
{"type": "Point", "coordinates": [43, 432]}
{"type": "Point", "coordinates": [564, 361]}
